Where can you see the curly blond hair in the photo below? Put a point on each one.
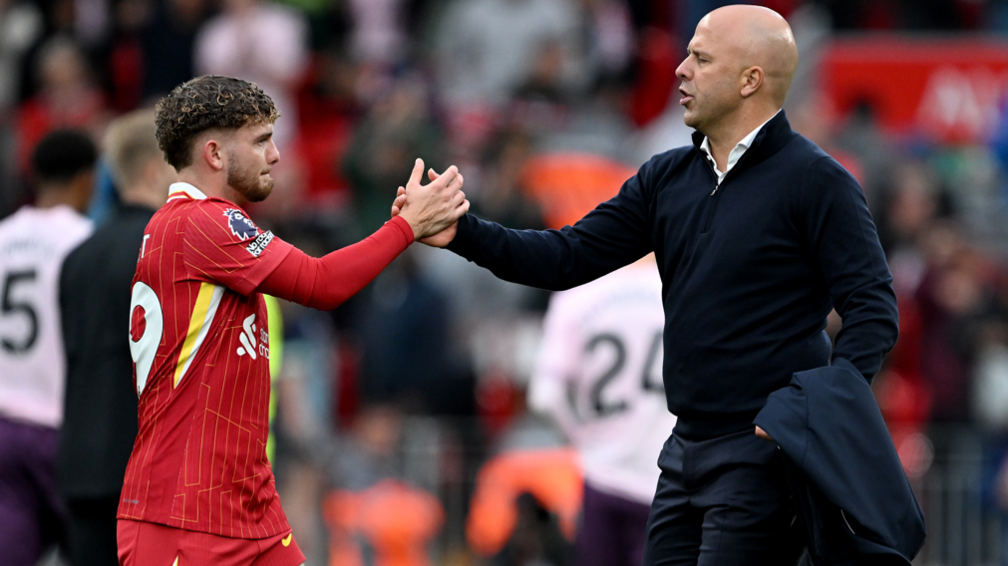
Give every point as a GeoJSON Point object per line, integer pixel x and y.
{"type": "Point", "coordinates": [205, 103]}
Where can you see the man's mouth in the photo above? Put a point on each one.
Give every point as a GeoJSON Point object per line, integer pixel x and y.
{"type": "Point", "coordinates": [686, 97]}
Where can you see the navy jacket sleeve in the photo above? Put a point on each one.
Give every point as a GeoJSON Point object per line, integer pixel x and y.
{"type": "Point", "coordinates": [842, 239]}
{"type": "Point", "coordinates": [612, 235]}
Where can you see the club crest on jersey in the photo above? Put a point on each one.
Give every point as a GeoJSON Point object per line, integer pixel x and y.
{"type": "Point", "coordinates": [240, 224]}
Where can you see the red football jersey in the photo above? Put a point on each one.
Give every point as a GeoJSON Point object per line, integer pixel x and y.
{"type": "Point", "coordinates": [198, 335]}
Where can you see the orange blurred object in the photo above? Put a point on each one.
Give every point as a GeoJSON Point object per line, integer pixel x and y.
{"type": "Point", "coordinates": [397, 520]}
{"type": "Point", "coordinates": [552, 476]}
{"type": "Point", "coordinates": [569, 185]}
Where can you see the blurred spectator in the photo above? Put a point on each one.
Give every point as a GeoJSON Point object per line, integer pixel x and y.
{"type": "Point", "coordinates": [657, 60]}
{"type": "Point", "coordinates": [378, 35]}
{"type": "Point", "coordinates": [490, 48]}
{"type": "Point", "coordinates": [21, 24]}
{"type": "Point", "coordinates": [67, 97]}
{"type": "Point", "coordinates": [911, 207]}
{"type": "Point", "coordinates": [500, 196]}
{"type": "Point", "coordinates": [859, 134]}
{"type": "Point", "coordinates": [813, 117]}
{"type": "Point", "coordinates": [610, 31]}
{"type": "Point", "coordinates": [954, 299]}
{"type": "Point", "coordinates": [598, 341]}
{"type": "Point", "coordinates": [405, 310]}
{"type": "Point", "coordinates": [261, 42]}
{"type": "Point", "coordinates": [33, 243]}
{"type": "Point", "coordinates": [125, 68]}
{"type": "Point", "coordinates": [100, 405]}
{"type": "Point", "coordinates": [168, 43]}
{"type": "Point", "coordinates": [397, 129]}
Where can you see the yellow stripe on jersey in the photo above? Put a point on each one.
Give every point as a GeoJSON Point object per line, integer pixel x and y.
{"type": "Point", "coordinates": [199, 323]}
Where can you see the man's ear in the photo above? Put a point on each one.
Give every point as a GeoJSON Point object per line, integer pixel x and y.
{"type": "Point", "coordinates": [752, 79]}
{"type": "Point", "coordinates": [213, 154]}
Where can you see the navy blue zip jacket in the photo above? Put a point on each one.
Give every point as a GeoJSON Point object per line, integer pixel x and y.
{"type": "Point", "coordinates": [749, 270]}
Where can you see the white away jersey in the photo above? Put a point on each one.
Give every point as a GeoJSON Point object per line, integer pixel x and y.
{"type": "Point", "coordinates": [33, 244]}
{"type": "Point", "coordinates": [599, 376]}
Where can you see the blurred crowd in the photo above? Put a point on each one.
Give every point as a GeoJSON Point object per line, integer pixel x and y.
{"type": "Point", "coordinates": [545, 106]}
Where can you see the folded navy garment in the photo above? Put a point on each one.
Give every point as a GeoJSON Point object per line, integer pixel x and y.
{"type": "Point", "coordinates": [849, 488]}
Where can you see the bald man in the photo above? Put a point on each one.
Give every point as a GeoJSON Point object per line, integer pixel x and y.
{"type": "Point", "coordinates": [758, 234]}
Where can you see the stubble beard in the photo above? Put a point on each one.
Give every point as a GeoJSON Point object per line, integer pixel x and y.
{"type": "Point", "coordinates": [716, 110]}
{"type": "Point", "coordinates": [248, 183]}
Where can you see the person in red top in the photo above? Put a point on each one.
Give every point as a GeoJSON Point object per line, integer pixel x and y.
{"type": "Point", "coordinates": [198, 487]}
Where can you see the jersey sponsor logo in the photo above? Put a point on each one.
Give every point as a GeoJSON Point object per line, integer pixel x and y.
{"type": "Point", "coordinates": [249, 344]}
{"type": "Point", "coordinates": [240, 224]}
{"type": "Point", "coordinates": [286, 541]}
{"type": "Point", "coordinates": [259, 244]}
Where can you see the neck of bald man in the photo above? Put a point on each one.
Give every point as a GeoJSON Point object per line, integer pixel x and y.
{"type": "Point", "coordinates": [728, 132]}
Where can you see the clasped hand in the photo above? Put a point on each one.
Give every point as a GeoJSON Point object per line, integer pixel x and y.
{"type": "Point", "coordinates": [432, 210]}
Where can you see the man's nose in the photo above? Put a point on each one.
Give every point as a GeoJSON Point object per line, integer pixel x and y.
{"type": "Point", "coordinates": [272, 154]}
{"type": "Point", "coordinates": [682, 70]}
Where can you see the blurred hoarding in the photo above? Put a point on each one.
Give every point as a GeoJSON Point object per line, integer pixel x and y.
{"type": "Point", "coordinates": [950, 90]}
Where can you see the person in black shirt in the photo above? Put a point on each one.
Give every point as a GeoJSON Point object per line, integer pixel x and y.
{"type": "Point", "coordinates": [758, 234]}
{"type": "Point", "coordinates": [100, 419]}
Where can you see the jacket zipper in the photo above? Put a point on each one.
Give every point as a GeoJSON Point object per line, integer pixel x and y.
{"type": "Point", "coordinates": [715, 194]}
{"type": "Point", "coordinates": [712, 204]}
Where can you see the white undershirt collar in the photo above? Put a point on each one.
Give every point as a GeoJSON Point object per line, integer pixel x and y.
{"type": "Point", "coordinates": [736, 152]}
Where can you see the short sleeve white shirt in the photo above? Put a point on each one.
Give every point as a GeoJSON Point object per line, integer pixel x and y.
{"type": "Point", "coordinates": [33, 244]}
{"type": "Point", "coordinates": [599, 375]}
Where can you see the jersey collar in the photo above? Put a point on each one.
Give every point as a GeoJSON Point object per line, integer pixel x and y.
{"type": "Point", "coordinates": [184, 190]}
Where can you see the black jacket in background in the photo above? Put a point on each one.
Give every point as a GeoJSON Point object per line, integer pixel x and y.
{"type": "Point", "coordinates": [100, 417]}
{"type": "Point", "coordinates": [849, 488]}
{"type": "Point", "coordinates": [749, 272]}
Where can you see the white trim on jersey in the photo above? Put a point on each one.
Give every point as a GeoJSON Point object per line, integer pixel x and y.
{"type": "Point", "coordinates": [181, 190]}
{"type": "Point", "coordinates": [199, 323]}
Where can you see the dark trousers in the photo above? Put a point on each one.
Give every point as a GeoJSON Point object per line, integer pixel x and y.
{"type": "Point", "coordinates": [722, 501]}
{"type": "Point", "coordinates": [91, 531]}
{"type": "Point", "coordinates": [612, 530]}
{"type": "Point", "coordinates": [31, 513]}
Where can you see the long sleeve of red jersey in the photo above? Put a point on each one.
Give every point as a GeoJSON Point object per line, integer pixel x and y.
{"type": "Point", "coordinates": [326, 282]}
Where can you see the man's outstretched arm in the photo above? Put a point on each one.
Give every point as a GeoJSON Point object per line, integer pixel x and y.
{"type": "Point", "coordinates": [327, 282]}
{"type": "Point", "coordinates": [614, 234]}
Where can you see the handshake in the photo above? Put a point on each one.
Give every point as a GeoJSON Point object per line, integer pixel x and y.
{"type": "Point", "coordinates": [432, 210]}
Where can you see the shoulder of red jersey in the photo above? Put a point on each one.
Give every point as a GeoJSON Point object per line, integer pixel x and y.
{"type": "Point", "coordinates": [222, 219]}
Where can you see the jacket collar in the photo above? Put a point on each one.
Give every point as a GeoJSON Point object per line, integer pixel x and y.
{"type": "Point", "coordinates": [774, 136]}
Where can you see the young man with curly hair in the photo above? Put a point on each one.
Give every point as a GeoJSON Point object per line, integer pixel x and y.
{"type": "Point", "coordinates": [198, 487]}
